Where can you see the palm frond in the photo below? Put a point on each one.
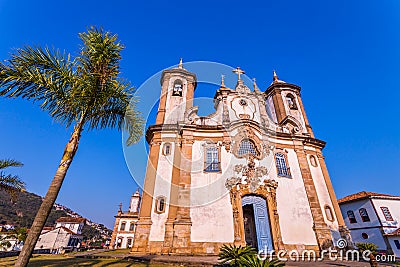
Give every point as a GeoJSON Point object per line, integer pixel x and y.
{"type": "Point", "coordinates": [44, 76]}
{"type": "Point", "coordinates": [5, 163]}
{"type": "Point", "coordinates": [11, 183]}
{"type": "Point", "coordinates": [367, 246]}
{"type": "Point", "coordinates": [234, 255]}
{"type": "Point", "coordinates": [254, 261]}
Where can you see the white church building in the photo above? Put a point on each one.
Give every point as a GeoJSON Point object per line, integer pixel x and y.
{"type": "Point", "coordinates": [250, 173]}
{"type": "Point", "coordinates": [125, 224]}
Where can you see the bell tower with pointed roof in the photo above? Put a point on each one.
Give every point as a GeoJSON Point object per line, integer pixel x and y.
{"type": "Point", "coordinates": [287, 103]}
{"type": "Point", "coordinates": [177, 92]}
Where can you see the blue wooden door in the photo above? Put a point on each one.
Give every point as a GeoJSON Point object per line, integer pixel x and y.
{"type": "Point", "coordinates": [261, 219]}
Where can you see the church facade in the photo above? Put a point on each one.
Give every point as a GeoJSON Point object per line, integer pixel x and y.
{"type": "Point", "coordinates": [250, 173]}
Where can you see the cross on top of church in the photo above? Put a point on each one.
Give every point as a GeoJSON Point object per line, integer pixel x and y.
{"type": "Point", "coordinates": [238, 71]}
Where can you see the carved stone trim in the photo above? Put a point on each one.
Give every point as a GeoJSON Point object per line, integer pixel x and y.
{"type": "Point", "coordinates": [267, 191]}
{"type": "Point", "coordinates": [246, 133]}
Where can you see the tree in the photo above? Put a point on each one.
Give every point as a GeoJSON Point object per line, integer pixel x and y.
{"type": "Point", "coordinates": [371, 252]}
{"type": "Point", "coordinates": [10, 183]}
{"type": "Point", "coordinates": [19, 234]}
{"type": "Point", "coordinates": [254, 261]}
{"type": "Point", "coordinates": [235, 255]}
{"type": "Point", "coordinates": [86, 93]}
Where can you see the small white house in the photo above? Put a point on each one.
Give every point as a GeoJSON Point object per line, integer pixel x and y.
{"type": "Point", "coordinates": [74, 224]}
{"type": "Point", "coordinates": [66, 236]}
{"type": "Point", "coordinates": [373, 218]}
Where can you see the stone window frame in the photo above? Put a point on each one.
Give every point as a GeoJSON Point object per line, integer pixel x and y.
{"type": "Point", "coordinates": [386, 213]}
{"type": "Point", "coordinates": [292, 106]}
{"type": "Point", "coordinates": [327, 207]}
{"type": "Point", "coordinates": [131, 226]}
{"type": "Point", "coordinates": [123, 223]}
{"type": "Point", "coordinates": [251, 141]}
{"type": "Point", "coordinates": [165, 146]}
{"type": "Point", "coordinates": [247, 133]}
{"type": "Point", "coordinates": [313, 160]}
{"type": "Point", "coordinates": [177, 93]}
{"type": "Point", "coordinates": [365, 217]}
{"type": "Point", "coordinates": [284, 153]}
{"type": "Point", "coordinates": [207, 146]}
{"type": "Point", "coordinates": [160, 200]}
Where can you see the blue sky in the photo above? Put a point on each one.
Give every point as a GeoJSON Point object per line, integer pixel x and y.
{"type": "Point", "coordinates": [344, 54]}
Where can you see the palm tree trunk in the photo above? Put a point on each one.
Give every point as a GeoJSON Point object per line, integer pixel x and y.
{"type": "Point", "coordinates": [372, 260]}
{"type": "Point", "coordinates": [50, 198]}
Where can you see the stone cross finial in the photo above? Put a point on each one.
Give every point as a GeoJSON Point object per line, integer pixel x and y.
{"type": "Point", "coordinates": [120, 207]}
{"type": "Point", "coordinates": [222, 80]}
{"type": "Point", "coordinates": [275, 76]}
{"type": "Point", "coordinates": [180, 64]}
{"type": "Point", "coordinates": [238, 71]}
{"type": "Point", "coordinates": [255, 85]}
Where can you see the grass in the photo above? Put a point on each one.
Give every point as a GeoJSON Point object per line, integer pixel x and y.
{"type": "Point", "coordinates": [116, 251]}
{"type": "Point", "coordinates": [62, 261]}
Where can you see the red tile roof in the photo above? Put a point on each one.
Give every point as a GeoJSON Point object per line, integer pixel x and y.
{"type": "Point", "coordinates": [364, 194]}
{"type": "Point", "coordinates": [68, 230]}
{"type": "Point", "coordinates": [70, 220]}
{"type": "Point", "coordinates": [395, 232]}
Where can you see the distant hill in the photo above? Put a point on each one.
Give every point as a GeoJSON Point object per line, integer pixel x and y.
{"type": "Point", "coordinates": [22, 212]}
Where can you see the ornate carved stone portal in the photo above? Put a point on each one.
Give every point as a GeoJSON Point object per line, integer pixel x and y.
{"type": "Point", "coordinates": [250, 181]}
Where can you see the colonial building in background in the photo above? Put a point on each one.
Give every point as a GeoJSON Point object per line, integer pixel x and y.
{"type": "Point", "coordinates": [125, 223]}
{"type": "Point", "coordinates": [65, 237]}
{"type": "Point", "coordinates": [373, 218]}
{"type": "Point", "coordinates": [250, 173]}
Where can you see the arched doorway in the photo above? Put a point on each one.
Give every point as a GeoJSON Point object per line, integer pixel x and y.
{"type": "Point", "coordinates": [257, 227]}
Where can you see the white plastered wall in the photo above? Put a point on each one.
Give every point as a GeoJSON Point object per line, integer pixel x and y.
{"type": "Point", "coordinates": [162, 188]}
{"type": "Point", "coordinates": [323, 196]}
{"type": "Point", "coordinates": [293, 207]}
{"type": "Point", "coordinates": [211, 209]}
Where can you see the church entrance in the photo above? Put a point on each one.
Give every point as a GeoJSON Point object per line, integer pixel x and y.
{"type": "Point", "coordinates": [256, 223]}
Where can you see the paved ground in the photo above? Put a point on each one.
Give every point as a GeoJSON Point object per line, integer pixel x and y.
{"type": "Point", "coordinates": [194, 261]}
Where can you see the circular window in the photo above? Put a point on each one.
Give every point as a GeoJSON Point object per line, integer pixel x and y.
{"type": "Point", "coordinates": [242, 102]}
{"type": "Point", "coordinates": [364, 235]}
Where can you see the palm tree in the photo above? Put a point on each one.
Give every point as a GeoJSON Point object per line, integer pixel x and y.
{"type": "Point", "coordinates": [254, 261]}
{"type": "Point", "coordinates": [371, 248]}
{"type": "Point", "coordinates": [86, 93]}
{"type": "Point", "coordinates": [235, 255]}
{"type": "Point", "coordinates": [10, 183]}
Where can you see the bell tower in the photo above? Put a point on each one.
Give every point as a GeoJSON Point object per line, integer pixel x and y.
{"type": "Point", "coordinates": [286, 99]}
{"type": "Point", "coordinates": [135, 202]}
{"type": "Point", "coordinates": [177, 92]}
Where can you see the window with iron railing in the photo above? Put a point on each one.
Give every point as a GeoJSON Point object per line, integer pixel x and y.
{"type": "Point", "coordinates": [212, 163]}
{"type": "Point", "coordinates": [281, 165]}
